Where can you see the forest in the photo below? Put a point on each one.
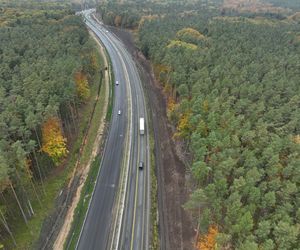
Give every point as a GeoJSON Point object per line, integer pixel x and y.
{"type": "Point", "coordinates": [47, 64]}
{"type": "Point", "coordinates": [131, 14]}
{"type": "Point", "coordinates": [294, 5]}
{"type": "Point", "coordinates": [233, 97]}
{"type": "Point", "coordinates": [70, 5]}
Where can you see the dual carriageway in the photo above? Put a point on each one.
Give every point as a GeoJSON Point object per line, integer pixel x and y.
{"type": "Point", "coordinates": [118, 213]}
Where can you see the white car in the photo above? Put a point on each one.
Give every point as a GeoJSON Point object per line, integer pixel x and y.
{"type": "Point", "coordinates": [119, 112]}
{"type": "Point", "coordinates": [117, 82]}
{"type": "Point", "coordinates": [106, 31]}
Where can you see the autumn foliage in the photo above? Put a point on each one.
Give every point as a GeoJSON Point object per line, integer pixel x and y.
{"type": "Point", "coordinates": [94, 64]}
{"type": "Point", "coordinates": [148, 18]}
{"type": "Point", "coordinates": [54, 144]}
{"type": "Point", "coordinates": [82, 85]}
{"type": "Point", "coordinates": [189, 32]}
{"type": "Point", "coordinates": [171, 105]}
{"type": "Point", "coordinates": [118, 21]}
{"type": "Point", "coordinates": [181, 44]}
{"type": "Point", "coordinates": [296, 139]}
{"type": "Point", "coordinates": [162, 72]}
{"type": "Point", "coordinates": [184, 127]}
{"type": "Point", "coordinates": [208, 241]}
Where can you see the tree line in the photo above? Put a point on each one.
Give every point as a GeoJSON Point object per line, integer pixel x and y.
{"type": "Point", "coordinates": [130, 14]}
{"type": "Point", "coordinates": [294, 5]}
{"type": "Point", "coordinates": [46, 66]}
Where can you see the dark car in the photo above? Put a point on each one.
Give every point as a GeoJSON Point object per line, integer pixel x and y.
{"type": "Point", "coordinates": [141, 165]}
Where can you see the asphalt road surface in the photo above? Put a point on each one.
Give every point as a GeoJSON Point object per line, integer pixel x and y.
{"type": "Point", "coordinates": [133, 224]}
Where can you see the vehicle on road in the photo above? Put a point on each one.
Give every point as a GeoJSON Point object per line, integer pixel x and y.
{"type": "Point", "coordinates": [117, 82]}
{"type": "Point", "coordinates": [142, 126]}
{"type": "Point", "coordinates": [141, 165]}
{"type": "Point", "coordinates": [119, 112]}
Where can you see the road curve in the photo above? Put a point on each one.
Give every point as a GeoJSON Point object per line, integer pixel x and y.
{"type": "Point", "coordinates": [97, 231]}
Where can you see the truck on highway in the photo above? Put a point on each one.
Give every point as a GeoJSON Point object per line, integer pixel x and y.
{"type": "Point", "coordinates": [142, 126]}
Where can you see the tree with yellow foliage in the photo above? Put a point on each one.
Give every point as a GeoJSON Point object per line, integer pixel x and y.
{"type": "Point", "coordinates": [181, 44]}
{"type": "Point", "coordinates": [82, 85]}
{"type": "Point", "coordinates": [296, 139]}
{"type": "Point", "coordinates": [54, 144]}
{"type": "Point", "coordinates": [189, 33]}
{"type": "Point", "coordinates": [208, 241]}
{"type": "Point", "coordinates": [94, 65]}
{"type": "Point", "coordinates": [118, 21]}
{"type": "Point", "coordinates": [184, 127]}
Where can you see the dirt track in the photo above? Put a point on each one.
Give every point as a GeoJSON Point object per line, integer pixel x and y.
{"type": "Point", "coordinates": [175, 223]}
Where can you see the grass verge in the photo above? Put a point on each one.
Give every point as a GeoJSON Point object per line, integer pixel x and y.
{"type": "Point", "coordinates": [83, 203]}
{"type": "Point", "coordinates": [112, 88]}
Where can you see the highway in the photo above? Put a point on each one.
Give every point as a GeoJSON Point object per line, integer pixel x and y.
{"type": "Point", "coordinates": [118, 213]}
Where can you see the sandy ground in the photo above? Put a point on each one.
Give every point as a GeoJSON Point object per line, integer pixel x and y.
{"type": "Point", "coordinates": [64, 231]}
